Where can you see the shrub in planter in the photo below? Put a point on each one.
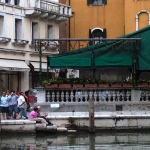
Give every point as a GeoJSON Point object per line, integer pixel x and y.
{"type": "Point", "coordinates": [127, 83]}
{"type": "Point", "coordinates": [89, 83]}
{"type": "Point", "coordinates": [116, 83]}
{"type": "Point", "coordinates": [103, 84]}
{"type": "Point", "coordinates": [142, 83]}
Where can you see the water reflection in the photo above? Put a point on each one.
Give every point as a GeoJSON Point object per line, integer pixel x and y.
{"type": "Point", "coordinates": [82, 141]}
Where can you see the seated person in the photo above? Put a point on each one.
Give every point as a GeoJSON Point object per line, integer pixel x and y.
{"type": "Point", "coordinates": [44, 116]}
{"type": "Point", "coordinates": [33, 116]}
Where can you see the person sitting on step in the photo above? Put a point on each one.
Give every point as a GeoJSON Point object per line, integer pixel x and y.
{"type": "Point", "coordinates": [43, 116]}
{"type": "Point", "coordinates": [33, 116]}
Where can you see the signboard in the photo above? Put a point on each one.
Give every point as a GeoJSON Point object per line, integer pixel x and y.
{"type": "Point", "coordinates": [54, 105]}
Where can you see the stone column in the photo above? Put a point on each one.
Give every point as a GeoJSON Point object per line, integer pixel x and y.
{"type": "Point", "coordinates": [24, 81]}
{"type": "Point", "coordinates": [41, 95]}
{"type": "Point", "coordinates": [135, 95]}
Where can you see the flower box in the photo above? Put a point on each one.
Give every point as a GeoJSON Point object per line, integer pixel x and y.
{"type": "Point", "coordinates": [90, 85]}
{"type": "Point", "coordinates": [64, 85]}
{"type": "Point", "coordinates": [116, 85]}
{"type": "Point", "coordinates": [103, 85]}
{"type": "Point", "coordinates": [51, 85]}
{"type": "Point", "coordinates": [77, 85]}
{"type": "Point", "coordinates": [142, 84]}
{"type": "Point", "coordinates": [127, 85]}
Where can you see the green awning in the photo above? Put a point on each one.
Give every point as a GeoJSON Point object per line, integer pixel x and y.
{"type": "Point", "coordinates": [70, 62]}
{"type": "Point", "coordinates": [106, 54]}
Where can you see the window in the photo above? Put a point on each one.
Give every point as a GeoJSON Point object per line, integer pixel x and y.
{"type": "Point", "coordinates": [7, 1]}
{"type": "Point", "coordinates": [16, 2]}
{"type": "Point", "coordinates": [35, 30]}
{"type": "Point", "coordinates": [50, 33]}
{"type": "Point", "coordinates": [18, 29]}
{"type": "Point", "coordinates": [96, 2]}
{"type": "Point", "coordinates": [1, 25]}
{"type": "Point", "coordinates": [98, 34]}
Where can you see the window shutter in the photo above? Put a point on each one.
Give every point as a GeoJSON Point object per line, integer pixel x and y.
{"type": "Point", "coordinates": [104, 33]}
{"type": "Point", "coordinates": [89, 2]}
{"type": "Point", "coordinates": [90, 36]}
{"type": "Point", "coordinates": [104, 2]}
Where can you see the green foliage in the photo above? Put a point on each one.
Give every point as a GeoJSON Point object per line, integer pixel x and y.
{"type": "Point", "coordinates": [90, 81]}
{"type": "Point", "coordinates": [142, 81]}
{"type": "Point", "coordinates": [71, 120]}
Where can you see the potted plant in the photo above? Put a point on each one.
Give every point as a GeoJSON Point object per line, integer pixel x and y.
{"type": "Point", "coordinates": [50, 83]}
{"type": "Point", "coordinates": [116, 83]}
{"type": "Point", "coordinates": [90, 83]}
{"type": "Point", "coordinates": [142, 83]}
{"type": "Point", "coordinates": [64, 83]}
{"type": "Point", "coordinates": [103, 84]}
{"type": "Point", "coordinates": [127, 83]}
{"type": "Point", "coordinates": [77, 82]}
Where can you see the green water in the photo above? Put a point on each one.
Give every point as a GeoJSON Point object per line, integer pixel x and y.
{"type": "Point", "coordinates": [80, 141]}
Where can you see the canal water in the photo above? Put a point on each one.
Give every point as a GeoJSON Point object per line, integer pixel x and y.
{"type": "Point", "coordinates": [80, 141]}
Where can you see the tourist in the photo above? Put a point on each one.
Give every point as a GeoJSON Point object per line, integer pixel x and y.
{"type": "Point", "coordinates": [21, 105]}
{"type": "Point", "coordinates": [26, 101]}
{"type": "Point", "coordinates": [43, 116]}
{"type": "Point", "coordinates": [12, 100]}
{"type": "Point", "coordinates": [34, 117]}
{"type": "Point", "coordinates": [4, 109]}
{"type": "Point", "coordinates": [31, 99]}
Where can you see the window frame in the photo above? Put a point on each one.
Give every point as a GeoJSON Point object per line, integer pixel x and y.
{"type": "Point", "coordinates": [17, 2]}
{"type": "Point", "coordinates": [91, 34]}
{"type": "Point", "coordinates": [32, 30]}
{"type": "Point", "coordinates": [18, 29]}
{"type": "Point", "coordinates": [91, 3]}
{"type": "Point", "coordinates": [9, 1]}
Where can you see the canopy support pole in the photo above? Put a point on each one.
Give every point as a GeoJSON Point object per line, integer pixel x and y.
{"type": "Point", "coordinates": [134, 72]}
{"type": "Point", "coordinates": [92, 59]}
{"type": "Point", "coordinates": [40, 73]}
{"type": "Point", "coordinates": [91, 114]}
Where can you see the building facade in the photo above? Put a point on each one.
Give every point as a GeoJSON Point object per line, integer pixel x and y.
{"type": "Point", "coordinates": [22, 21]}
{"type": "Point", "coordinates": [107, 19]}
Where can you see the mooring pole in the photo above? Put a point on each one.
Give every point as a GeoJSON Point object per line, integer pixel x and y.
{"type": "Point", "coordinates": [92, 142]}
{"type": "Point", "coordinates": [91, 114]}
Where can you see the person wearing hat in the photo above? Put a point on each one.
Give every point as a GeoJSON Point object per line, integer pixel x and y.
{"type": "Point", "coordinates": [21, 104]}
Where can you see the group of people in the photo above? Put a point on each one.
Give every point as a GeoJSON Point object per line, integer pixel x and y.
{"type": "Point", "coordinates": [13, 106]}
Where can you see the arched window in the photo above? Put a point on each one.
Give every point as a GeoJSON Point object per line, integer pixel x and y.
{"type": "Point", "coordinates": [98, 34]}
{"type": "Point", "coordinates": [142, 19]}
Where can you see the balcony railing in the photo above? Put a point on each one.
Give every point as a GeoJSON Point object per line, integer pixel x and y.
{"type": "Point", "coordinates": [53, 10]}
{"type": "Point", "coordinates": [50, 7]}
{"type": "Point", "coordinates": [71, 95]}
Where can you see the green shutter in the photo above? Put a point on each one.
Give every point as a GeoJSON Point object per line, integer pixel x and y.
{"type": "Point", "coordinates": [104, 33]}
{"type": "Point", "coordinates": [90, 36]}
{"type": "Point", "coordinates": [89, 2]}
{"type": "Point", "coordinates": [104, 2]}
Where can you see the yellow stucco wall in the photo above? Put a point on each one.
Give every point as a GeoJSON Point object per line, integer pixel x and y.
{"type": "Point", "coordinates": [117, 16]}
{"type": "Point", "coordinates": [131, 9]}
{"type": "Point", "coordinates": [109, 16]}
